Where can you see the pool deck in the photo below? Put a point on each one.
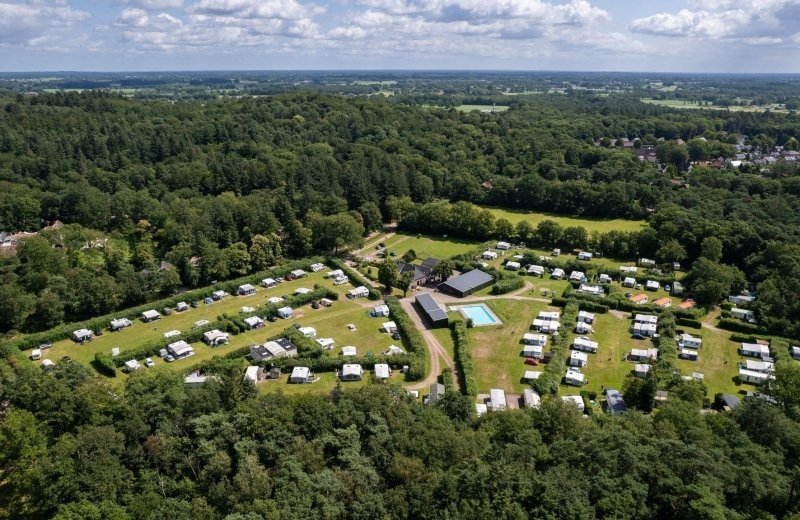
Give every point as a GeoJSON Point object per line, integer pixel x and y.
{"type": "Point", "coordinates": [460, 308]}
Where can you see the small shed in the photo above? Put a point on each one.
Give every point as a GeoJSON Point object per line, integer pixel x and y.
{"type": "Point", "coordinates": [150, 315]}
{"type": "Point", "coordinates": [285, 312]}
{"type": "Point", "coordinates": [308, 332]}
{"type": "Point", "coordinates": [358, 292]}
{"type": "Point", "coordinates": [246, 289]}
{"type": "Point", "coordinates": [351, 372]}
{"type": "Point", "coordinates": [382, 371]}
{"type": "Point", "coordinates": [300, 375]}
{"type": "Point", "coordinates": [497, 399]}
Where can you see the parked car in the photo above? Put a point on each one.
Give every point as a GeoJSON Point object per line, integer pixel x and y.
{"type": "Point", "coordinates": [272, 318]}
{"type": "Point", "coordinates": [169, 358]}
{"type": "Point", "coordinates": [531, 361]}
{"type": "Point", "coordinates": [315, 305]}
{"type": "Point", "coordinates": [638, 336]}
{"type": "Point", "coordinates": [395, 335]}
{"type": "Point", "coordinates": [148, 362]}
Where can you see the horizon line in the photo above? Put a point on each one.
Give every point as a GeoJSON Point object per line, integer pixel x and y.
{"type": "Point", "coordinates": [396, 70]}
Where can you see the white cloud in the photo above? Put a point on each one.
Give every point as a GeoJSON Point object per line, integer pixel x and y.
{"type": "Point", "coordinates": [39, 24]}
{"type": "Point", "coordinates": [156, 5]}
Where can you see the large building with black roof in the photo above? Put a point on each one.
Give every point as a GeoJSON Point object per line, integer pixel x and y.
{"type": "Point", "coordinates": [432, 310]}
{"type": "Point", "coordinates": [467, 283]}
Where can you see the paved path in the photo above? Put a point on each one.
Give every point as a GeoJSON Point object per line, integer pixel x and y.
{"type": "Point", "coordinates": [437, 352]}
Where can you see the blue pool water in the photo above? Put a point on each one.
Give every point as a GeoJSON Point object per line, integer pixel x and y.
{"type": "Point", "coordinates": [479, 314]}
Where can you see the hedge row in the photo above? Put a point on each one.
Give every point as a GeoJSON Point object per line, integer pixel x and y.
{"type": "Point", "coordinates": [355, 276]}
{"type": "Point", "coordinates": [691, 323]}
{"type": "Point", "coordinates": [463, 358]}
{"type": "Point", "coordinates": [506, 285]}
{"type": "Point", "coordinates": [412, 339]}
{"type": "Point", "coordinates": [629, 306]}
{"type": "Point", "coordinates": [667, 346]}
{"type": "Point", "coordinates": [559, 344]}
{"type": "Point", "coordinates": [738, 326]}
{"type": "Point", "coordinates": [584, 305]}
{"type": "Point", "coordinates": [65, 331]}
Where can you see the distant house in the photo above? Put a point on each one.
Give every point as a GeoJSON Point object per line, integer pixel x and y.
{"type": "Point", "coordinates": [643, 354]}
{"type": "Point", "coordinates": [512, 266]}
{"type": "Point", "coordinates": [584, 344]}
{"type": "Point", "coordinates": [503, 246]}
{"type": "Point", "coordinates": [150, 315]}
{"type": "Point", "coordinates": [246, 289]}
{"type": "Point", "coordinates": [379, 311]}
{"type": "Point", "coordinates": [420, 274]}
{"type": "Point", "coordinates": [652, 285]}
{"type": "Point", "coordinates": [285, 312]}
{"type": "Point", "coordinates": [358, 292]}
{"type": "Point", "coordinates": [586, 317]}
{"type": "Point", "coordinates": [120, 324]}
{"type": "Point", "coordinates": [308, 332]}
{"type": "Point", "coordinates": [497, 400]}
{"type": "Point", "coordinates": [216, 337]}
{"type": "Point", "coordinates": [430, 309]}
{"type": "Point", "coordinates": [663, 302]}
{"type": "Point", "coordinates": [382, 371]}
{"type": "Point", "coordinates": [615, 404]}
{"type": "Point", "coordinates": [276, 349]}
{"type": "Point", "coordinates": [254, 322]}
{"type": "Point", "coordinates": [351, 372]}
{"type": "Point", "coordinates": [754, 350]}
{"type": "Point", "coordinates": [557, 274]}
{"type": "Point", "coordinates": [82, 335]}
{"type": "Point", "coordinates": [467, 283]}
{"type": "Point", "coordinates": [629, 282]}
{"type": "Point", "coordinates": [180, 349]}
{"type": "Point", "coordinates": [268, 282]}
{"type": "Point", "coordinates": [641, 370]}
{"type": "Point", "coordinates": [531, 398]}
{"type": "Point", "coordinates": [489, 255]}
{"type": "Point", "coordinates": [585, 256]}
{"type": "Point", "coordinates": [535, 270]}
{"type": "Point", "coordinates": [301, 375]}
{"type": "Point", "coordinates": [574, 400]}
{"type": "Point", "coordinates": [578, 359]}
{"type": "Point", "coordinates": [639, 299]}
{"type": "Point", "coordinates": [689, 341]}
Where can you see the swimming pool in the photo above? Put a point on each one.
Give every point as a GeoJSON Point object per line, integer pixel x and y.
{"type": "Point", "coordinates": [480, 315]}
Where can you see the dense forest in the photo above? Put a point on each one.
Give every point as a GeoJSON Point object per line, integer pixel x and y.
{"type": "Point", "coordinates": [156, 196]}
{"type": "Point", "coordinates": [71, 448]}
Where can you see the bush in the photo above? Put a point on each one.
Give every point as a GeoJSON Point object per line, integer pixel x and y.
{"type": "Point", "coordinates": [738, 326]}
{"type": "Point", "coordinates": [104, 364]}
{"type": "Point", "coordinates": [412, 339]}
{"type": "Point", "coordinates": [463, 358]}
{"type": "Point", "coordinates": [691, 323]}
{"type": "Point", "coordinates": [506, 285]}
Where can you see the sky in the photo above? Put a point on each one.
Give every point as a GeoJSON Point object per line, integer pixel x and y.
{"type": "Point", "coordinates": [745, 36]}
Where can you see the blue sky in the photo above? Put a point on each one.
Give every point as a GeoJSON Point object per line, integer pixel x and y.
{"type": "Point", "coordinates": [644, 35]}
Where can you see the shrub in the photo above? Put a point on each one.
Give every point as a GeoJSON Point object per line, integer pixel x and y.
{"type": "Point", "coordinates": [463, 358]}
{"type": "Point", "coordinates": [691, 323]}
{"type": "Point", "coordinates": [738, 326]}
{"type": "Point", "coordinates": [104, 364]}
{"type": "Point", "coordinates": [506, 285]}
{"type": "Point", "coordinates": [356, 278]}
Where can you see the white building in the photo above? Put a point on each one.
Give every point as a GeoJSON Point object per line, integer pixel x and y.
{"type": "Point", "coordinates": [309, 332]}
{"type": "Point", "coordinates": [584, 344]}
{"type": "Point", "coordinates": [578, 359]}
{"type": "Point", "coordinates": [497, 399]}
{"type": "Point", "coordinates": [285, 312]}
{"type": "Point", "coordinates": [216, 337]}
{"type": "Point", "coordinates": [503, 246]}
{"type": "Point", "coordinates": [382, 371]}
{"type": "Point", "coordinates": [358, 292]}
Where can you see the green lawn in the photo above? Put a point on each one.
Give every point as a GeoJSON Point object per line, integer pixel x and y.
{"type": "Point", "coordinates": [608, 367]}
{"type": "Point", "coordinates": [591, 224]}
{"type": "Point", "coordinates": [496, 350]}
{"type": "Point", "coordinates": [482, 108]}
{"type": "Point", "coordinates": [425, 246]}
{"type": "Point", "coordinates": [718, 361]}
{"type": "Point", "coordinates": [325, 385]}
{"type": "Point", "coordinates": [682, 103]}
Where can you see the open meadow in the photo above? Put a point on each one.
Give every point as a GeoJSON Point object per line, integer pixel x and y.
{"type": "Point", "coordinates": [591, 224]}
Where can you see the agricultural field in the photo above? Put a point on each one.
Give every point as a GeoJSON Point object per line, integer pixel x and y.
{"type": "Point", "coordinates": [591, 224]}
{"type": "Point", "coordinates": [481, 108]}
{"type": "Point", "coordinates": [330, 322]}
{"type": "Point", "coordinates": [496, 350]}
{"type": "Point", "coordinates": [688, 104]}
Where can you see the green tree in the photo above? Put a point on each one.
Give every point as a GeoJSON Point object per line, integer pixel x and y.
{"type": "Point", "coordinates": [265, 251]}
{"type": "Point", "coordinates": [711, 249]}
{"type": "Point", "coordinates": [237, 258]}
{"type": "Point", "coordinates": [671, 251]}
{"type": "Point", "coordinates": [444, 270]}
{"type": "Point", "coordinates": [16, 307]}
{"type": "Point", "coordinates": [388, 273]}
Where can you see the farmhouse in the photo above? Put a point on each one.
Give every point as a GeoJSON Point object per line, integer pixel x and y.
{"type": "Point", "coordinates": [216, 337]}
{"type": "Point", "coordinates": [294, 275]}
{"type": "Point", "coordinates": [688, 354]}
{"type": "Point", "coordinates": [351, 372]}
{"type": "Point", "coordinates": [531, 375]}
{"type": "Point", "coordinates": [577, 276]}
{"type": "Point", "coordinates": [420, 274]}
{"type": "Point", "coordinates": [268, 282]}
{"type": "Point", "coordinates": [615, 404]}
{"type": "Point", "coordinates": [82, 335]}
{"type": "Point", "coordinates": [382, 371]}
{"type": "Point", "coordinates": [629, 282]}
{"type": "Point", "coordinates": [531, 398]}
{"type": "Point", "coordinates": [753, 377]}
{"type": "Point", "coordinates": [574, 378]}
{"type": "Point", "coordinates": [308, 332]}
{"type": "Point", "coordinates": [279, 348]}
{"type": "Point", "coordinates": [512, 266]}
{"type": "Point", "coordinates": [534, 339]}
{"type": "Point", "coordinates": [594, 290]}
{"type": "Point", "coordinates": [497, 399]}
{"type": "Point", "coordinates": [643, 354]}
{"type": "Point", "coordinates": [489, 255]}
{"type": "Point", "coordinates": [754, 350]}
{"type": "Point", "coordinates": [586, 317]}
{"type": "Point", "coordinates": [326, 343]}
{"type": "Point", "coordinates": [120, 324]}
{"type": "Point", "coordinates": [574, 400]}
{"type": "Point", "coordinates": [180, 349]}
{"type": "Point", "coordinates": [285, 312]}
{"type": "Point", "coordinates": [503, 246]}
{"type": "Point", "coordinates": [557, 274]}
{"type": "Point", "coordinates": [584, 344]}
{"type": "Point", "coordinates": [150, 315]}
{"type": "Point", "coordinates": [641, 370]}
{"type": "Point", "coordinates": [651, 285]}
{"type": "Point", "coordinates": [301, 375]}
{"type": "Point", "coordinates": [254, 322]}
{"type": "Point", "coordinates": [246, 290]}
{"type": "Point", "coordinates": [467, 283]}
{"type": "Point", "coordinates": [381, 311]}
{"type": "Point", "coordinates": [358, 292]}
{"type": "Point", "coordinates": [583, 255]}
{"type": "Point", "coordinates": [663, 302]}
{"type": "Point", "coordinates": [639, 299]}
{"type": "Point", "coordinates": [536, 270]}
{"type": "Point", "coordinates": [432, 310]}
{"type": "Point", "coordinates": [315, 268]}
{"type": "Point", "coordinates": [578, 359]}
{"type": "Point", "coordinates": [689, 341]}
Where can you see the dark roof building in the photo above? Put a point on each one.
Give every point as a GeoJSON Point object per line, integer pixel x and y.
{"type": "Point", "coordinates": [467, 283]}
{"type": "Point", "coordinates": [432, 310]}
{"type": "Point", "coordinates": [420, 273]}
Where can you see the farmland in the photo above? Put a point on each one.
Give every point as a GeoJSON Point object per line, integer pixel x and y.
{"type": "Point", "coordinates": [694, 105]}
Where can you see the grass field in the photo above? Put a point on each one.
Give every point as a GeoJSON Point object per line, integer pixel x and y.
{"type": "Point", "coordinates": [591, 224]}
{"type": "Point", "coordinates": [496, 349]}
{"type": "Point", "coordinates": [718, 361]}
{"type": "Point", "coordinates": [325, 385]}
{"type": "Point", "coordinates": [426, 246]}
{"type": "Point", "coordinates": [686, 104]}
{"type": "Point", "coordinates": [482, 108]}
{"type": "Point", "coordinates": [608, 367]}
